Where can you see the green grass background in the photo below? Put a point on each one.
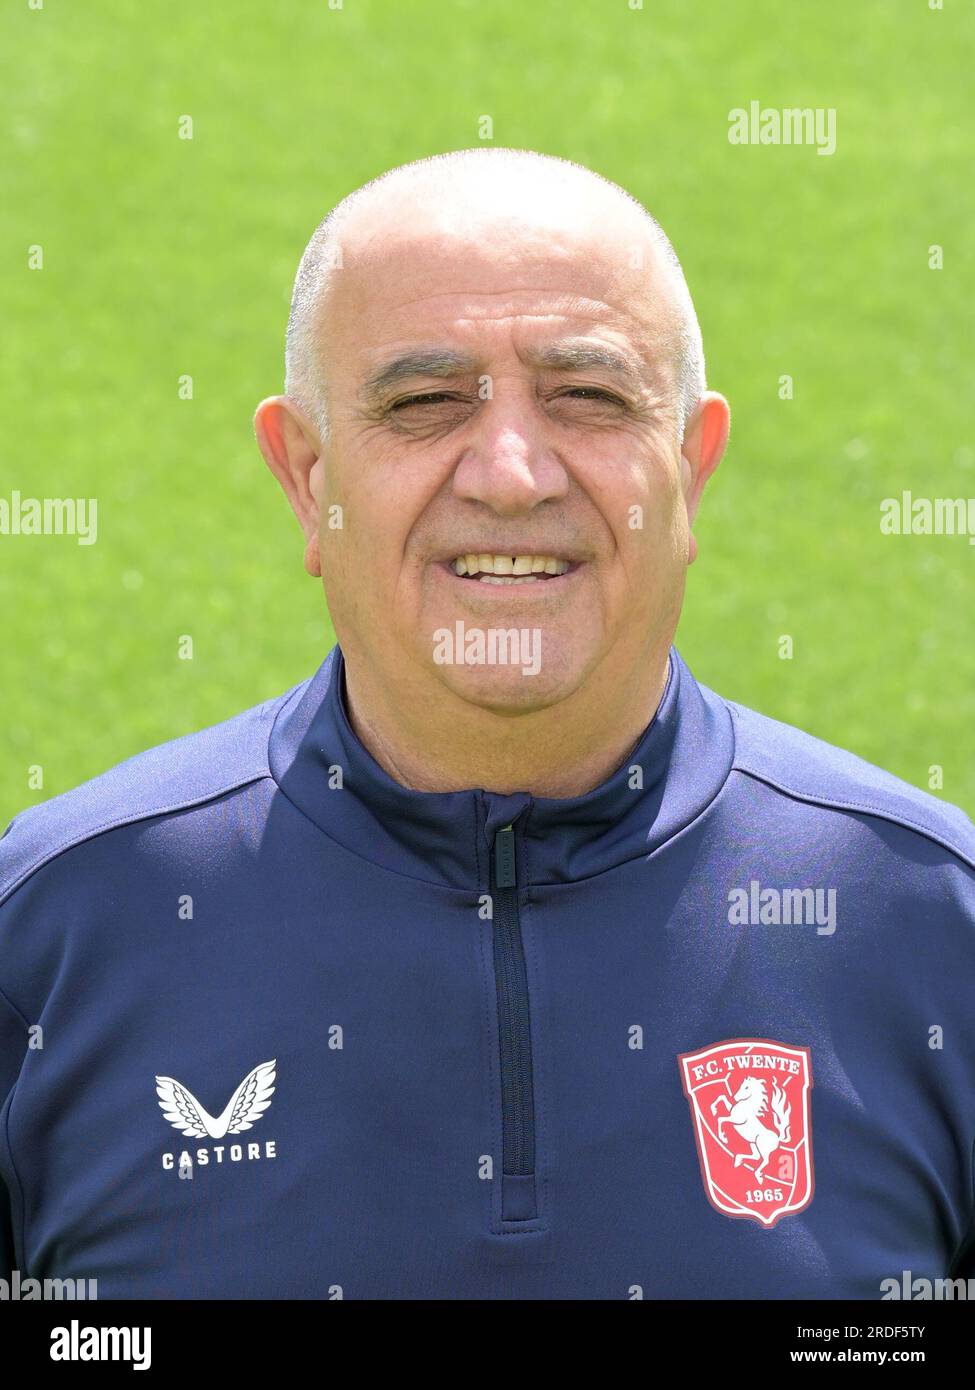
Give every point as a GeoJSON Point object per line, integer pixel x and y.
{"type": "Point", "coordinates": [165, 256]}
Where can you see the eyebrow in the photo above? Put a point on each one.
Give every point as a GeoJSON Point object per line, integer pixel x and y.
{"type": "Point", "coordinates": [435, 362]}
{"type": "Point", "coordinates": [574, 357]}
{"type": "Point", "coordinates": [445, 363]}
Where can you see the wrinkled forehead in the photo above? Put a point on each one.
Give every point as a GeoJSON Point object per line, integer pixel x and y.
{"type": "Point", "coordinates": [411, 269]}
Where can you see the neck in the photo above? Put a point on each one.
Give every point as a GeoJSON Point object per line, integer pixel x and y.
{"type": "Point", "coordinates": [429, 739]}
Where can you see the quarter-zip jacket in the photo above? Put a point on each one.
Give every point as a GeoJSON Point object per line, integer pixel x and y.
{"type": "Point", "coordinates": [274, 1026]}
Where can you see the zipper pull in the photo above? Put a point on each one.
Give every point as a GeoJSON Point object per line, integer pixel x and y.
{"type": "Point", "coordinates": [505, 869]}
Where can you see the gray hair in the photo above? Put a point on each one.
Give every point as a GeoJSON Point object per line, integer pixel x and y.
{"type": "Point", "coordinates": [322, 257]}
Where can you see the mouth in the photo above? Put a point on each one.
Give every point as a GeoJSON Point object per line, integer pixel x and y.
{"type": "Point", "coordinates": [511, 571]}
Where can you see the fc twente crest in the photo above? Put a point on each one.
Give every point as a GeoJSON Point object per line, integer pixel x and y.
{"type": "Point", "coordinates": [749, 1100]}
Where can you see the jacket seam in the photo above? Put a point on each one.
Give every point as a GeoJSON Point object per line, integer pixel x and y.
{"type": "Point", "coordinates": [858, 808]}
{"type": "Point", "coordinates": [119, 821]}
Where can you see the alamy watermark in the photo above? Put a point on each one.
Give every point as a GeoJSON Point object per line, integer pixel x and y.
{"type": "Point", "coordinates": [493, 646]}
{"type": "Point", "coordinates": [792, 125]}
{"type": "Point", "coordinates": [925, 1290]}
{"type": "Point", "coordinates": [50, 516]}
{"type": "Point", "coordinates": [28, 1290]}
{"type": "Point", "coordinates": [908, 515]}
{"type": "Point", "coordinates": [77, 1343]}
{"type": "Point", "coordinates": [756, 906]}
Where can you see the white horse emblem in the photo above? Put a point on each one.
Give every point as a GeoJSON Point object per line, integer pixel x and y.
{"type": "Point", "coordinates": [745, 1116]}
{"type": "Point", "coordinates": [749, 1101]}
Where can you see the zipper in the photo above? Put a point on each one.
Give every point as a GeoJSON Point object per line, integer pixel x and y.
{"type": "Point", "coordinates": [518, 1199]}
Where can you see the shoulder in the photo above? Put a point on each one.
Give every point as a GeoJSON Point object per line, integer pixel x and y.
{"type": "Point", "coordinates": [806, 769]}
{"type": "Point", "coordinates": [170, 778]}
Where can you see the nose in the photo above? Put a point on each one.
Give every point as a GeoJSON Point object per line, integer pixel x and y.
{"type": "Point", "coordinates": [511, 465]}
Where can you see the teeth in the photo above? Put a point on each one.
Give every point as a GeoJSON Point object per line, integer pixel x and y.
{"type": "Point", "coordinates": [509, 568]}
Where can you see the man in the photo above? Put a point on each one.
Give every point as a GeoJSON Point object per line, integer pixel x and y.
{"type": "Point", "coordinates": [499, 959]}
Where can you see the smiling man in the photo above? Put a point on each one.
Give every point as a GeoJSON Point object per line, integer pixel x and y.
{"type": "Point", "coordinates": [500, 959]}
{"type": "Point", "coordinates": [499, 367]}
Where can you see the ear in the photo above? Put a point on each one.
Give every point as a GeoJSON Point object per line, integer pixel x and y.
{"type": "Point", "coordinates": [705, 437]}
{"type": "Point", "coordinates": [291, 448]}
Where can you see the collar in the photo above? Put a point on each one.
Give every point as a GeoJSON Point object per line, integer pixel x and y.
{"type": "Point", "coordinates": [675, 770]}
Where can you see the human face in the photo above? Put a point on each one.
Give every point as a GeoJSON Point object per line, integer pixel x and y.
{"type": "Point", "coordinates": [502, 389]}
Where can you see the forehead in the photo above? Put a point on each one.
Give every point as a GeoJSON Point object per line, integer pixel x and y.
{"type": "Point", "coordinates": [494, 281]}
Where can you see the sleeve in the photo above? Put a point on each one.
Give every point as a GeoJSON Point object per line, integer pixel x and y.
{"type": "Point", "coordinates": [13, 1045]}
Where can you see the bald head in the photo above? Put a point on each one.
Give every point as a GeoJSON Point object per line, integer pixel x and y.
{"type": "Point", "coordinates": [517, 199]}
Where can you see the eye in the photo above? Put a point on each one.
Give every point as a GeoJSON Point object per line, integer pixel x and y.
{"type": "Point", "coordinates": [591, 393]}
{"type": "Point", "coordinates": [430, 398]}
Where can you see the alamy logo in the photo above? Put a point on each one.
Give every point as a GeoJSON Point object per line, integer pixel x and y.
{"type": "Point", "coordinates": [908, 515]}
{"type": "Point", "coordinates": [494, 646]}
{"type": "Point", "coordinates": [756, 906]}
{"type": "Point", "coordinates": [767, 125]}
{"type": "Point", "coordinates": [247, 1104]}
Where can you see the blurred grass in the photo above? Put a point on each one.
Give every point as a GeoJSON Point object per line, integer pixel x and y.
{"type": "Point", "coordinates": [165, 256]}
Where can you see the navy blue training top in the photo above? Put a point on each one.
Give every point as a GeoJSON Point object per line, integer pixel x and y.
{"type": "Point", "coordinates": [274, 1026]}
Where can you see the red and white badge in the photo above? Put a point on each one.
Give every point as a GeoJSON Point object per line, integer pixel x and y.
{"type": "Point", "coordinates": [749, 1100]}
